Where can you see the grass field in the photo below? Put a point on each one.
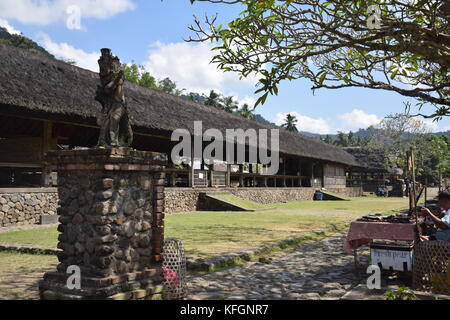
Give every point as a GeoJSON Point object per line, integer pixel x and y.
{"type": "Point", "coordinates": [211, 233]}
{"type": "Point", "coordinates": [19, 274]}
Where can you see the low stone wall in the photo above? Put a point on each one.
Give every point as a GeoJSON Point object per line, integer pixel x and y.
{"type": "Point", "coordinates": [189, 199]}
{"type": "Point", "coordinates": [350, 192]}
{"type": "Point", "coordinates": [26, 206]}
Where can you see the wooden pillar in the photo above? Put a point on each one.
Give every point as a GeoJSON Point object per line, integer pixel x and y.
{"type": "Point", "coordinates": [228, 175]}
{"type": "Point", "coordinates": [192, 171]}
{"type": "Point", "coordinates": [265, 182]}
{"type": "Point", "coordinates": [241, 176]}
{"type": "Point", "coordinates": [46, 146]}
{"type": "Point", "coordinates": [173, 180]}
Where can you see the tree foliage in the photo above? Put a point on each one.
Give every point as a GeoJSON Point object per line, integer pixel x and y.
{"type": "Point", "coordinates": [290, 123]}
{"type": "Point", "coordinates": [137, 74]}
{"type": "Point", "coordinates": [20, 41]}
{"type": "Point", "coordinates": [396, 45]}
{"type": "Point", "coordinates": [169, 86]}
{"type": "Point", "coordinates": [399, 133]}
{"type": "Point", "coordinates": [246, 112]}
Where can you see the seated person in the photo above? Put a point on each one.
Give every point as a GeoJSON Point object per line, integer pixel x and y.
{"type": "Point", "coordinates": [443, 225]}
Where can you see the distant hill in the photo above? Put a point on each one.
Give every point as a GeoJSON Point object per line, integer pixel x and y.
{"type": "Point", "coordinates": [259, 118]}
{"type": "Point", "coordinates": [23, 42]}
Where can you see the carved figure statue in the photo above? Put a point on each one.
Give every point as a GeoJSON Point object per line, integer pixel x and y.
{"type": "Point", "coordinates": [114, 121]}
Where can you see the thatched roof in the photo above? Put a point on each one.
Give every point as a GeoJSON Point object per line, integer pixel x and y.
{"type": "Point", "coordinates": [56, 90]}
{"type": "Point", "coordinates": [372, 161]}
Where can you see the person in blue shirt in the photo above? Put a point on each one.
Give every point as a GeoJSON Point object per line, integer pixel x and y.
{"type": "Point", "coordinates": [443, 224]}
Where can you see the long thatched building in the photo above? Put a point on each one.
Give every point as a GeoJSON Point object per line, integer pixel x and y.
{"type": "Point", "coordinates": [46, 104]}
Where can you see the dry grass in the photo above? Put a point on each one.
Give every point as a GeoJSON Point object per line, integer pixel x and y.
{"type": "Point", "coordinates": [20, 273]}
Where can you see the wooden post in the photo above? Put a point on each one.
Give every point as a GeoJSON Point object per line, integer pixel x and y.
{"type": "Point", "coordinates": [192, 171]}
{"type": "Point", "coordinates": [173, 180]}
{"type": "Point", "coordinates": [425, 197]}
{"type": "Point", "coordinates": [411, 167]}
{"type": "Point", "coordinates": [241, 175]}
{"type": "Point", "coordinates": [46, 146]}
{"type": "Point", "coordinates": [228, 175]}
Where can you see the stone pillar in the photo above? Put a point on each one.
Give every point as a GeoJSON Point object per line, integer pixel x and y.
{"type": "Point", "coordinates": [111, 214]}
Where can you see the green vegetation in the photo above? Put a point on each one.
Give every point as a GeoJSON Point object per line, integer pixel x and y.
{"type": "Point", "coordinates": [211, 233]}
{"type": "Point", "coordinates": [45, 237]}
{"type": "Point", "coordinates": [20, 41]}
{"type": "Point", "coordinates": [290, 123]}
{"type": "Point", "coordinates": [282, 41]}
{"type": "Point", "coordinates": [403, 293]}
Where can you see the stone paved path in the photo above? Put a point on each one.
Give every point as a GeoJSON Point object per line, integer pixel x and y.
{"type": "Point", "coordinates": [319, 270]}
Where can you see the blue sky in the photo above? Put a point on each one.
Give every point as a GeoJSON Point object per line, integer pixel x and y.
{"type": "Point", "coordinates": [152, 33]}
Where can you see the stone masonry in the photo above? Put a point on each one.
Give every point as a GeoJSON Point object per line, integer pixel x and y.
{"type": "Point", "coordinates": [26, 207]}
{"type": "Point", "coordinates": [111, 211]}
{"type": "Point", "coordinates": [191, 199]}
{"type": "Point", "coordinates": [23, 207]}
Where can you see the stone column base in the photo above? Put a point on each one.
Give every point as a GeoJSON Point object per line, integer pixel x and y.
{"type": "Point", "coordinates": [111, 215]}
{"type": "Point", "coordinates": [146, 285]}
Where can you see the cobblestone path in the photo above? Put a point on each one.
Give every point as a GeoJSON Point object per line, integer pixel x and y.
{"type": "Point", "coordinates": [318, 270]}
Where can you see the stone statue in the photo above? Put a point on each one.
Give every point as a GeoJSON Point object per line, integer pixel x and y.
{"type": "Point", "coordinates": [114, 122]}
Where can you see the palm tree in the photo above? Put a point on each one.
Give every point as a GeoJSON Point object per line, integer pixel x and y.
{"type": "Point", "coordinates": [229, 105]}
{"type": "Point", "coordinates": [290, 123]}
{"type": "Point", "coordinates": [213, 100]}
{"type": "Point", "coordinates": [246, 112]}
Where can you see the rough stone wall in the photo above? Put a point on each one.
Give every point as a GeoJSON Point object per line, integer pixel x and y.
{"type": "Point", "coordinates": [188, 199]}
{"type": "Point", "coordinates": [21, 208]}
{"type": "Point", "coordinates": [350, 192]}
{"type": "Point", "coordinates": [105, 221]}
{"type": "Point", "coordinates": [27, 207]}
{"type": "Point", "coordinates": [111, 224]}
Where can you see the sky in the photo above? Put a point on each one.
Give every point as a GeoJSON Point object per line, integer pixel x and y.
{"type": "Point", "coordinates": [152, 33]}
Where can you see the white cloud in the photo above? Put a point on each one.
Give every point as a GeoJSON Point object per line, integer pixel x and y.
{"type": "Point", "coordinates": [431, 125]}
{"type": "Point", "coordinates": [251, 101]}
{"type": "Point", "coordinates": [5, 24]}
{"type": "Point", "coordinates": [189, 65]}
{"type": "Point", "coordinates": [44, 12]}
{"type": "Point", "coordinates": [351, 121]}
{"type": "Point", "coordinates": [356, 119]}
{"type": "Point", "coordinates": [306, 123]}
{"type": "Point", "coordinates": [66, 52]}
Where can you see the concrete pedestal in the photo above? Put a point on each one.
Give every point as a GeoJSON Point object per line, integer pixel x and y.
{"type": "Point", "coordinates": [111, 215]}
